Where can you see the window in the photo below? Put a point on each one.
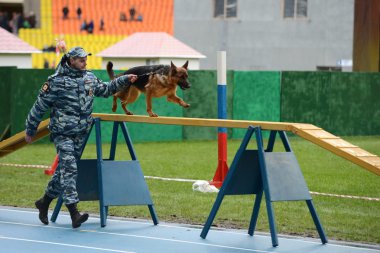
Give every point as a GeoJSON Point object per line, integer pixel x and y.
{"type": "Point", "coordinates": [295, 9]}
{"type": "Point", "coordinates": [225, 8]}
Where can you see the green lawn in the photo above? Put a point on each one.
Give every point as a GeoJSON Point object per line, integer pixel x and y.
{"type": "Point", "coordinates": [342, 218]}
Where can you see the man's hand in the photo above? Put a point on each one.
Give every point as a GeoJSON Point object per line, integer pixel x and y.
{"type": "Point", "coordinates": [28, 138]}
{"type": "Point", "coordinates": [132, 78]}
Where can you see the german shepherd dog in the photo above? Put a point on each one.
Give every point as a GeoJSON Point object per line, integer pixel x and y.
{"type": "Point", "coordinates": [155, 81]}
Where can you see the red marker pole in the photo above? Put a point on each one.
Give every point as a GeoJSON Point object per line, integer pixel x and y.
{"type": "Point", "coordinates": [53, 166]}
{"type": "Point", "coordinates": [222, 169]}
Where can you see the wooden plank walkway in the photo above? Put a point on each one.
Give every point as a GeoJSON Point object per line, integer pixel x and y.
{"type": "Point", "coordinates": [309, 132]}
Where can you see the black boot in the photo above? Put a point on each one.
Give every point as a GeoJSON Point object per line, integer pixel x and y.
{"type": "Point", "coordinates": [76, 218]}
{"type": "Point", "coordinates": [43, 206]}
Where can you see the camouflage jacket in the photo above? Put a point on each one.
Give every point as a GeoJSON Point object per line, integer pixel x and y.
{"type": "Point", "coordinates": [69, 95]}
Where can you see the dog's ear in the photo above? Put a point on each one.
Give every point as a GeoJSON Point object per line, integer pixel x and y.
{"type": "Point", "coordinates": [173, 67]}
{"type": "Point", "coordinates": [185, 65]}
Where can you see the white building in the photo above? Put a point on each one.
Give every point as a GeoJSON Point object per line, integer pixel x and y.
{"type": "Point", "coordinates": [148, 48]}
{"type": "Point", "coordinates": [15, 52]}
{"type": "Point", "coordinates": [269, 34]}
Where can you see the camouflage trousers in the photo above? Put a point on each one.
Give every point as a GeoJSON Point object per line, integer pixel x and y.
{"type": "Point", "coordinates": [64, 180]}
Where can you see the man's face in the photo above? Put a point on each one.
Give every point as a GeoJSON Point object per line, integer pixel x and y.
{"type": "Point", "coordinates": [79, 62]}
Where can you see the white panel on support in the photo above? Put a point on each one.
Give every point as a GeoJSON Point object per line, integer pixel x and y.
{"type": "Point", "coordinates": [222, 68]}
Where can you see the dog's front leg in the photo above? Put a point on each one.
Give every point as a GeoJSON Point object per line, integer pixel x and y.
{"type": "Point", "coordinates": [148, 97]}
{"type": "Point", "coordinates": [177, 100]}
{"type": "Point", "coordinates": [124, 106]}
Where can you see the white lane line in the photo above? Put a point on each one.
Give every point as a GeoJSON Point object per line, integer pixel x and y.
{"type": "Point", "coordinates": [63, 244]}
{"type": "Point", "coordinates": [137, 236]}
{"type": "Point", "coordinates": [177, 241]}
{"type": "Point", "coordinates": [366, 247]}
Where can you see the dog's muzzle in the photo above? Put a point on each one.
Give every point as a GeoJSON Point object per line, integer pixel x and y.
{"type": "Point", "coordinates": [183, 84]}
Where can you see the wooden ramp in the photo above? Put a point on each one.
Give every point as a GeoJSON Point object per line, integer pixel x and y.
{"type": "Point", "coordinates": [17, 141]}
{"type": "Point", "coordinates": [309, 132]}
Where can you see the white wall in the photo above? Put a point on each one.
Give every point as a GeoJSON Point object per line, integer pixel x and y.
{"type": "Point", "coordinates": [126, 63]}
{"type": "Point", "coordinates": [21, 61]}
{"type": "Point", "coordinates": [12, 1]}
{"type": "Point", "coordinates": [122, 63]}
{"type": "Point", "coordinates": [261, 39]}
{"type": "Point", "coordinates": [193, 63]}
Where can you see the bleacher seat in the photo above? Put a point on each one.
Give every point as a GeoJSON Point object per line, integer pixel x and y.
{"type": "Point", "coordinates": [157, 17]}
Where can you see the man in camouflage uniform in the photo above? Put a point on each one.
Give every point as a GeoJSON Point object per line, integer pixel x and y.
{"type": "Point", "coordinates": [69, 93]}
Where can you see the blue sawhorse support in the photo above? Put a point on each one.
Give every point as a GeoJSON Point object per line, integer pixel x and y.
{"type": "Point", "coordinates": [277, 174]}
{"type": "Point", "coordinates": [113, 183]}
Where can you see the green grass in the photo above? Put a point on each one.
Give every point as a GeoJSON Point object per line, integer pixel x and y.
{"type": "Point", "coordinates": [343, 219]}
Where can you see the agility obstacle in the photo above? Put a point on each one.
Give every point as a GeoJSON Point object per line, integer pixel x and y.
{"type": "Point", "coordinates": [308, 132]}
{"type": "Point", "coordinates": [17, 141]}
{"type": "Point", "coordinates": [276, 174]}
{"type": "Point", "coordinates": [112, 183]}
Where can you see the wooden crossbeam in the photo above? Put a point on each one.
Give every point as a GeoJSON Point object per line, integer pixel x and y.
{"type": "Point", "coordinates": [309, 132]}
{"type": "Point", "coordinates": [265, 125]}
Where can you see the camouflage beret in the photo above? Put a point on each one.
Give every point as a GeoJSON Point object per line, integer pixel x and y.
{"type": "Point", "coordinates": [77, 52]}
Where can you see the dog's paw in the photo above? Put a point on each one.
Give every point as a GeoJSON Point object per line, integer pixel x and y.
{"type": "Point", "coordinates": [186, 105]}
{"type": "Point", "coordinates": [152, 114]}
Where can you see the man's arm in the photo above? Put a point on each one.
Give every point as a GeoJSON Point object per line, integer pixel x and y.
{"type": "Point", "coordinates": [105, 89]}
{"type": "Point", "coordinates": [44, 101]}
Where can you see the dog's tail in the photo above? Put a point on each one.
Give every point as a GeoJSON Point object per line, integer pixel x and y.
{"type": "Point", "coordinates": [110, 71]}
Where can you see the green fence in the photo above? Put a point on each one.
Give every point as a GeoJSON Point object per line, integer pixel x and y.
{"type": "Point", "coordinates": [256, 97]}
{"type": "Point", "coordinates": [5, 104]}
{"type": "Point", "coordinates": [340, 103]}
{"type": "Point", "coordinates": [203, 97]}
